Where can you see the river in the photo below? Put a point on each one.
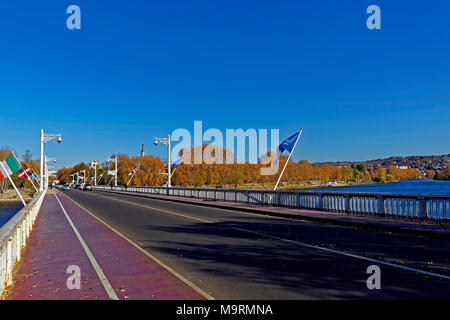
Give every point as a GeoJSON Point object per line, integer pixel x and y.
{"type": "Point", "coordinates": [8, 210]}
{"type": "Point", "coordinates": [423, 186]}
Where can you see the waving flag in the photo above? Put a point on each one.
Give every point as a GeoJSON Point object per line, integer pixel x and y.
{"type": "Point", "coordinates": [9, 166]}
{"type": "Point", "coordinates": [24, 173]}
{"type": "Point", "coordinates": [287, 144]}
{"type": "Point", "coordinates": [33, 176]}
{"type": "Point", "coordinates": [176, 163]}
{"type": "Point", "coordinates": [134, 170]}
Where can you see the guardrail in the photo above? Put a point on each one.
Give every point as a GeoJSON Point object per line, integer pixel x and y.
{"type": "Point", "coordinates": [13, 236]}
{"type": "Point", "coordinates": [410, 206]}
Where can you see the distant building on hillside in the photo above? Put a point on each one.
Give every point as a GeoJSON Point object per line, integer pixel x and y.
{"type": "Point", "coordinates": [142, 151]}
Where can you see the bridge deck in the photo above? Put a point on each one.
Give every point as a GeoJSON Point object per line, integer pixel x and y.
{"type": "Point", "coordinates": [116, 269]}
{"type": "Point", "coordinates": [439, 231]}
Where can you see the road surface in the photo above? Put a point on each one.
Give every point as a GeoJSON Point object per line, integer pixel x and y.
{"type": "Point", "coordinates": [235, 255]}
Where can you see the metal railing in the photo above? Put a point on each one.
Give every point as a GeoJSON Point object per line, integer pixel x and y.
{"type": "Point", "coordinates": [408, 206]}
{"type": "Point", "coordinates": [13, 236]}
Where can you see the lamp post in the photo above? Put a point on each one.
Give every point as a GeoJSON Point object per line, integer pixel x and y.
{"type": "Point", "coordinates": [115, 159]}
{"type": "Point", "coordinates": [45, 137]}
{"type": "Point", "coordinates": [46, 160]}
{"type": "Point", "coordinates": [84, 176]}
{"type": "Point", "coordinates": [166, 141]}
{"type": "Point", "coordinates": [94, 164]}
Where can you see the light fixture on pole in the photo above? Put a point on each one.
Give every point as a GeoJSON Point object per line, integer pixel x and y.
{"type": "Point", "coordinates": [73, 178]}
{"type": "Point", "coordinates": [84, 175]}
{"type": "Point", "coordinates": [115, 159]}
{"type": "Point", "coordinates": [94, 164]}
{"type": "Point", "coordinates": [45, 137]}
{"type": "Point", "coordinates": [166, 141]}
{"type": "Point", "coordinates": [46, 169]}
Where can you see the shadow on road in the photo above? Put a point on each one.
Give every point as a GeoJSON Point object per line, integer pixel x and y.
{"type": "Point", "coordinates": [277, 269]}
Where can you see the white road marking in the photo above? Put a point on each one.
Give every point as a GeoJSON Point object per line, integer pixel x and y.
{"type": "Point", "coordinates": [162, 264]}
{"type": "Point", "coordinates": [307, 245]}
{"type": "Point", "coordinates": [103, 279]}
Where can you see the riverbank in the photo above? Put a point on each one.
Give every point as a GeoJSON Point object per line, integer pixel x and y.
{"type": "Point", "coordinates": [288, 186]}
{"type": "Point", "coordinates": [10, 196]}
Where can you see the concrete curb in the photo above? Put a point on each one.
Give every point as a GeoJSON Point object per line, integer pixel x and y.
{"type": "Point", "coordinates": [345, 223]}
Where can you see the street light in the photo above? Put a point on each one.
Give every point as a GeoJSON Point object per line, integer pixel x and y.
{"type": "Point", "coordinates": [46, 137]}
{"type": "Point", "coordinates": [84, 175]}
{"type": "Point", "coordinates": [115, 172]}
{"type": "Point", "coordinates": [94, 164]}
{"type": "Point", "coordinates": [166, 141]}
{"type": "Point", "coordinates": [46, 160]}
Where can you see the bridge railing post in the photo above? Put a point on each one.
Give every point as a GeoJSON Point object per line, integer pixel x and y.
{"type": "Point", "coordinates": [347, 203]}
{"type": "Point", "coordinates": [320, 201]}
{"type": "Point", "coordinates": [423, 214]}
{"type": "Point", "coordinates": [381, 205]}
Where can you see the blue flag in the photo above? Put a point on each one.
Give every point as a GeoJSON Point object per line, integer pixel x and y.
{"type": "Point", "coordinates": [176, 163]}
{"type": "Point", "coordinates": [287, 144]}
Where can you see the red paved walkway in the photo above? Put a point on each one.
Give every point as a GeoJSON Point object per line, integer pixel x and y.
{"type": "Point", "coordinates": [53, 246]}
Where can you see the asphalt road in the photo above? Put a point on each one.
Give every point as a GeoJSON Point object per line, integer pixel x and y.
{"type": "Point", "coordinates": [235, 255]}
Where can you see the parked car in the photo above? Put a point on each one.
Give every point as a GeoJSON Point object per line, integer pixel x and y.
{"type": "Point", "coordinates": [86, 187]}
{"type": "Point", "coordinates": [66, 187]}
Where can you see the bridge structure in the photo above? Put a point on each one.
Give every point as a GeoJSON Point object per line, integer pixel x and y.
{"type": "Point", "coordinates": [132, 243]}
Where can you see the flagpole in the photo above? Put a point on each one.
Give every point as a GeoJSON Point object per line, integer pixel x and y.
{"type": "Point", "coordinates": [25, 171]}
{"type": "Point", "coordinates": [290, 154]}
{"type": "Point", "coordinates": [15, 188]}
{"type": "Point", "coordinates": [133, 174]}
{"type": "Point", "coordinates": [174, 171]}
{"type": "Point", "coordinates": [100, 178]}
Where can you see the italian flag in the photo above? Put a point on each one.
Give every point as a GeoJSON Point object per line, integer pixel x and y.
{"type": "Point", "coordinates": [9, 167]}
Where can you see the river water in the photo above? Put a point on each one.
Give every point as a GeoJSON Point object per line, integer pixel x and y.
{"type": "Point", "coordinates": [435, 187]}
{"type": "Point", "coordinates": [7, 210]}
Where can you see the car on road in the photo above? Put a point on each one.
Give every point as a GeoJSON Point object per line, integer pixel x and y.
{"type": "Point", "coordinates": [66, 187]}
{"type": "Point", "coordinates": [86, 187]}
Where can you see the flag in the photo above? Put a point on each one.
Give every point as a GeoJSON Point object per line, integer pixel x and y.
{"type": "Point", "coordinates": [32, 176]}
{"type": "Point", "coordinates": [176, 163]}
{"type": "Point", "coordinates": [10, 166]}
{"type": "Point", "coordinates": [287, 144]}
{"type": "Point", "coordinates": [134, 170]}
{"type": "Point", "coordinates": [24, 173]}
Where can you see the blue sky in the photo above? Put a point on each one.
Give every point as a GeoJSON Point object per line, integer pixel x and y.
{"type": "Point", "coordinates": [140, 69]}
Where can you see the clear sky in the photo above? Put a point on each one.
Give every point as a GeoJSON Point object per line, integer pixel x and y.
{"type": "Point", "coordinates": [140, 69]}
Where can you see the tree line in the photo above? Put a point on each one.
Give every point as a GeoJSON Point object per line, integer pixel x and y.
{"type": "Point", "coordinates": [153, 172]}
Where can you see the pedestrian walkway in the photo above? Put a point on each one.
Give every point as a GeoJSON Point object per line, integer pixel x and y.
{"type": "Point", "coordinates": [66, 237]}
{"type": "Point", "coordinates": [402, 226]}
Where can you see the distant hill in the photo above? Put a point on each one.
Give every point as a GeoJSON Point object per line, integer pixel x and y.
{"type": "Point", "coordinates": [433, 162]}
